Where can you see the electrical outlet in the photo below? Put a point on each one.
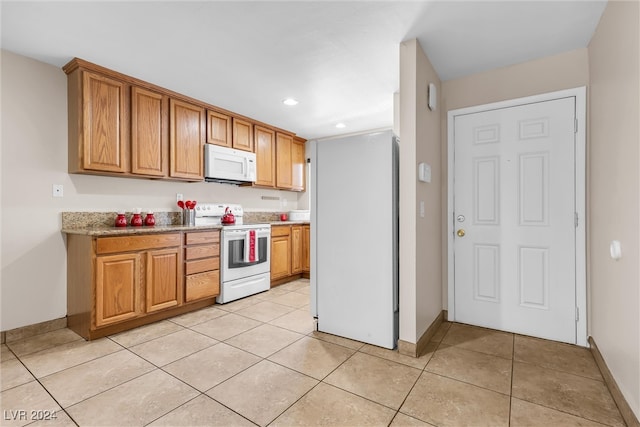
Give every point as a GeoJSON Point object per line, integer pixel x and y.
{"type": "Point", "coordinates": [178, 197]}
{"type": "Point", "coordinates": [58, 190]}
{"type": "Point", "coordinates": [421, 209]}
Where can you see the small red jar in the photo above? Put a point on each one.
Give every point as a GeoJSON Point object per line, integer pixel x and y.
{"type": "Point", "coordinates": [136, 220]}
{"type": "Point", "coordinates": [121, 220]}
{"type": "Point", "coordinates": [149, 220]}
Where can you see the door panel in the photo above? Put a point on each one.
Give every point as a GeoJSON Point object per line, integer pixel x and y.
{"type": "Point", "coordinates": [514, 207]}
{"type": "Point", "coordinates": [163, 279]}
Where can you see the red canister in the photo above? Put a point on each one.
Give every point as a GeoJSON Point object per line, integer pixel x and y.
{"type": "Point", "coordinates": [149, 220]}
{"type": "Point", "coordinates": [121, 220]}
{"type": "Point", "coordinates": [136, 220]}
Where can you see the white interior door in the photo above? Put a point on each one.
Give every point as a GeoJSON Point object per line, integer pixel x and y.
{"type": "Point", "coordinates": [514, 207]}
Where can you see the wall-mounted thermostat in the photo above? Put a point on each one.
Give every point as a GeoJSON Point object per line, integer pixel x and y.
{"type": "Point", "coordinates": [424, 172]}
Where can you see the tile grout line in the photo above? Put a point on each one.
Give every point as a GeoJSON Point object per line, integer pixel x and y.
{"type": "Point", "coordinates": [411, 389]}
{"type": "Point", "coordinates": [46, 391]}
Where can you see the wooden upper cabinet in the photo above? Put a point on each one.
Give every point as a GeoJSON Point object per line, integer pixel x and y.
{"type": "Point", "coordinates": [122, 126]}
{"type": "Point", "coordinates": [284, 175]}
{"type": "Point", "coordinates": [265, 142]}
{"type": "Point", "coordinates": [298, 165]}
{"type": "Point", "coordinates": [219, 129]}
{"type": "Point", "coordinates": [149, 133]}
{"type": "Point", "coordinates": [101, 136]}
{"type": "Point", "coordinates": [242, 135]}
{"type": "Point", "coordinates": [186, 140]}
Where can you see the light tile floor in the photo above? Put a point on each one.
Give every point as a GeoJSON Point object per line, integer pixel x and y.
{"type": "Point", "coordinates": [258, 361]}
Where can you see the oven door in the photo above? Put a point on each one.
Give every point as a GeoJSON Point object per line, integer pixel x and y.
{"type": "Point", "coordinates": [232, 255]}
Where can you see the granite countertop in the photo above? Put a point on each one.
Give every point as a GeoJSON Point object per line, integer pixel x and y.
{"type": "Point", "coordinates": [290, 223]}
{"type": "Point", "coordinates": [101, 223]}
{"type": "Point", "coordinates": [101, 230]}
{"type": "Point", "coordinates": [122, 231]}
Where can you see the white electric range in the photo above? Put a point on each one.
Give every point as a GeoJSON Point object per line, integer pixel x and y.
{"type": "Point", "coordinates": [242, 272]}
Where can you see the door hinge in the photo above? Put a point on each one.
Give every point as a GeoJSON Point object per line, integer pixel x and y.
{"type": "Point", "coordinates": [577, 314]}
{"type": "Point", "coordinates": [575, 125]}
{"type": "Point", "coordinates": [575, 219]}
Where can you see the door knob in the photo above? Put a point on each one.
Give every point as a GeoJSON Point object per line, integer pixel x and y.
{"type": "Point", "coordinates": [460, 233]}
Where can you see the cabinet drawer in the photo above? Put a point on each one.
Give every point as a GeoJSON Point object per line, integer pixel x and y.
{"type": "Point", "coordinates": [202, 237]}
{"type": "Point", "coordinates": [204, 251]}
{"type": "Point", "coordinates": [107, 245]}
{"type": "Point", "coordinates": [201, 265]}
{"type": "Point", "coordinates": [280, 230]}
{"type": "Point", "coordinates": [202, 285]}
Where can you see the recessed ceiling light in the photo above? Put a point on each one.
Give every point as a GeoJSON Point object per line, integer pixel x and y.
{"type": "Point", "coordinates": [290, 101]}
{"type": "Point", "coordinates": [341, 125]}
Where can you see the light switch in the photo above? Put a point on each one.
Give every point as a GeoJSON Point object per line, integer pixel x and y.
{"type": "Point", "coordinates": [424, 172]}
{"type": "Point", "coordinates": [615, 250]}
{"type": "Point", "coordinates": [58, 190]}
{"type": "Point", "coordinates": [421, 209]}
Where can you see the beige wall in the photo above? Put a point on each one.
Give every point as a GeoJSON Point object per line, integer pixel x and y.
{"type": "Point", "coordinates": [553, 73]}
{"type": "Point", "coordinates": [420, 244]}
{"type": "Point", "coordinates": [34, 156]}
{"type": "Point", "coordinates": [614, 196]}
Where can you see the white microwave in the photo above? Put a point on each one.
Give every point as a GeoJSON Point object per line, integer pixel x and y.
{"type": "Point", "coordinates": [227, 165]}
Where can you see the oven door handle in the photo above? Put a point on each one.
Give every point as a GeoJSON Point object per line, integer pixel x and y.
{"type": "Point", "coordinates": [240, 234]}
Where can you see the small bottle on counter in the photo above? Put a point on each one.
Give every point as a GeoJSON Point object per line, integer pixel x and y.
{"type": "Point", "coordinates": [136, 219]}
{"type": "Point", "coordinates": [149, 220]}
{"type": "Point", "coordinates": [121, 220]}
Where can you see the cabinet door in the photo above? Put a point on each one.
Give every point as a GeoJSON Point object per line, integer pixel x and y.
{"type": "Point", "coordinates": [186, 140]}
{"type": "Point", "coordinates": [118, 288]}
{"type": "Point", "coordinates": [104, 126]}
{"type": "Point", "coordinates": [149, 129]}
{"type": "Point", "coordinates": [265, 157]}
{"type": "Point", "coordinates": [242, 135]}
{"type": "Point", "coordinates": [280, 257]}
{"type": "Point", "coordinates": [298, 164]}
{"type": "Point", "coordinates": [296, 249]}
{"type": "Point", "coordinates": [163, 279]}
{"type": "Point", "coordinates": [283, 160]}
{"type": "Point", "coordinates": [306, 249]}
{"type": "Point", "coordinates": [219, 129]}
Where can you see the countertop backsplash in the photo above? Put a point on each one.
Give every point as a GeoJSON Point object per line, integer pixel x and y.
{"type": "Point", "coordinates": [71, 220]}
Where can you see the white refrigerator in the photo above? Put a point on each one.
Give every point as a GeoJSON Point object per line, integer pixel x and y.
{"type": "Point", "coordinates": [354, 237]}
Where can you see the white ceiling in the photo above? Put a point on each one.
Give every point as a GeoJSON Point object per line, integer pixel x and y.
{"type": "Point", "coordinates": [339, 59]}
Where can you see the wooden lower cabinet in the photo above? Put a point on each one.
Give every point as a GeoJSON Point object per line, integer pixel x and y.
{"type": "Point", "coordinates": [296, 249]}
{"type": "Point", "coordinates": [118, 283]}
{"type": "Point", "coordinates": [202, 265]}
{"type": "Point", "coordinates": [280, 252]}
{"type": "Point", "coordinates": [163, 279]}
{"type": "Point", "coordinates": [289, 253]}
{"type": "Point", "coordinates": [306, 249]}
{"type": "Point", "coordinates": [118, 288]}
